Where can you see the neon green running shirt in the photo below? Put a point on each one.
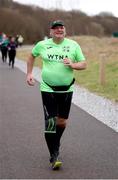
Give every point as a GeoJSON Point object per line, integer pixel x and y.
{"type": "Point", "coordinates": [54, 72]}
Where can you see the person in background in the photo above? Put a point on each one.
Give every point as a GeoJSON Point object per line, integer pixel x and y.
{"type": "Point", "coordinates": [60, 56]}
{"type": "Point", "coordinates": [20, 40]}
{"type": "Point", "coordinates": [4, 48]}
{"type": "Point", "coordinates": [1, 38]}
{"type": "Point", "coordinates": [16, 39]}
{"type": "Point", "coordinates": [12, 51]}
{"type": "Point", "coordinates": [0, 41]}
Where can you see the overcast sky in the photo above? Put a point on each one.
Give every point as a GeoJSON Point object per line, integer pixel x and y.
{"type": "Point", "coordinates": [90, 7]}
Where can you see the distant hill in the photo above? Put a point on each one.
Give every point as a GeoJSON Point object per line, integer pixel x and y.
{"type": "Point", "coordinates": [33, 22]}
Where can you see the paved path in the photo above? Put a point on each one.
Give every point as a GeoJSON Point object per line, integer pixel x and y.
{"type": "Point", "coordinates": [89, 148]}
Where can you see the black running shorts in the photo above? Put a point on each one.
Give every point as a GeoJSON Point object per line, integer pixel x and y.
{"type": "Point", "coordinates": [56, 104]}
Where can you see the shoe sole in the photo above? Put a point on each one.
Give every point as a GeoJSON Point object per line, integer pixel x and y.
{"type": "Point", "coordinates": [56, 165]}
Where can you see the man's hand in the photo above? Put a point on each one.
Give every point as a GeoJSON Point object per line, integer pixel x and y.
{"type": "Point", "coordinates": [30, 80]}
{"type": "Point", "coordinates": [77, 65]}
{"type": "Point", "coordinates": [67, 62]}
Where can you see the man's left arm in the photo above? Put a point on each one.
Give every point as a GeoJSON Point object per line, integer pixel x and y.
{"type": "Point", "coordinates": [75, 65]}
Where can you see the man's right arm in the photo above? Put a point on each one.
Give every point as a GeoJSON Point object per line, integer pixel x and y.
{"type": "Point", "coordinates": [30, 63]}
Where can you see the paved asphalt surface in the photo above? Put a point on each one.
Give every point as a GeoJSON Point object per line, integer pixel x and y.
{"type": "Point", "coordinates": [89, 148]}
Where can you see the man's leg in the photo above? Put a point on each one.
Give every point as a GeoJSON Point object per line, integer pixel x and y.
{"type": "Point", "coordinates": [50, 112]}
{"type": "Point", "coordinates": [50, 134]}
{"type": "Point", "coordinates": [55, 105]}
{"type": "Point", "coordinates": [60, 127]}
{"type": "Point", "coordinates": [64, 104]}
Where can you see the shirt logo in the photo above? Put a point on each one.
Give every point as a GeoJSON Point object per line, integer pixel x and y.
{"type": "Point", "coordinates": [49, 47]}
{"type": "Point", "coordinates": [66, 48]}
{"type": "Point", "coordinates": [56, 57]}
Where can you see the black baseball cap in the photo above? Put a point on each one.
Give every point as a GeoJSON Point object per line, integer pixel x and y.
{"type": "Point", "coordinates": [56, 23]}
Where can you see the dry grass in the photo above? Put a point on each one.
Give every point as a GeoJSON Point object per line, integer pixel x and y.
{"type": "Point", "coordinates": [94, 49]}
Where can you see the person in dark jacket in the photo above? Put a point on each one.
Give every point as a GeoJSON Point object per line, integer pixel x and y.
{"type": "Point", "coordinates": [12, 51]}
{"type": "Point", "coordinates": [4, 49]}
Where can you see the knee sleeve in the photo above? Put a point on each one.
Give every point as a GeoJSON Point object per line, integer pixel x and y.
{"type": "Point", "coordinates": [50, 125]}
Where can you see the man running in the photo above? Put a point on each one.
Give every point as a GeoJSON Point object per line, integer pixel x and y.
{"type": "Point", "coordinates": [60, 57]}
